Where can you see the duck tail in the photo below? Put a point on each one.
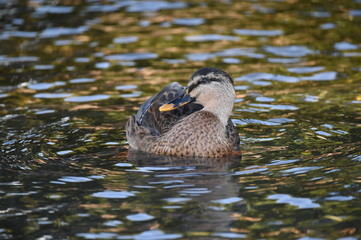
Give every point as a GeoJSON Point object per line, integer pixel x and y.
{"type": "Point", "coordinates": [136, 133]}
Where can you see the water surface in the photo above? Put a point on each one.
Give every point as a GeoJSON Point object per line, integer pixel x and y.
{"type": "Point", "coordinates": [72, 72]}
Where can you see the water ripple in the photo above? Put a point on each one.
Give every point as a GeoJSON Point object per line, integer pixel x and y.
{"type": "Point", "coordinates": [126, 87]}
{"type": "Point", "coordinates": [355, 13]}
{"type": "Point", "coordinates": [342, 46]}
{"type": "Point", "coordinates": [123, 165]}
{"type": "Point", "coordinates": [237, 52]}
{"type": "Point", "coordinates": [267, 76]}
{"type": "Point", "coordinates": [154, 6]}
{"type": "Point", "coordinates": [43, 67]}
{"type": "Point", "coordinates": [152, 235]}
{"type": "Point", "coordinates": [139, 217]}
{"type": "Point", "coordinates": [21, 34]}
{"type": "Point", "coordinates": [21, 193]}
{"type": "Point", "coordinates": [253, 32]}
{"type": "Point", "coordinates": [229, 235]}
{"type": "Point", "coordinates": [231, 60]}
{"type": "Point", "coordinates": [55, 9]}
{"type": "Point", "coordinates": [73, 179]}
{"type": "Point", "coordinates": [7, 60]}
{"type": "Point", "coordinates": [52, 95]}
{"type": "Point", "coordinates": [200, 56]}
{"type": "Point", "coordinates": [281, 120]}
{"type": "Point", "coordinates": [232, 52]}
{"type": "Point", "coordinates": [113, 223]}
{"type": "Point", "coordinates": [250, 171]}
{"type": "Point", "coordinates": [82, 80]}
{"type": "Point", "coordinates": [44, 85]}
{"type": "Point", "coordinates": [113, 194]}
{"type": "Point", "coordinates": [324, 76]}
{"type": "Point", "coordinates": [102, 65]}
{"type": "Point", "coordinates": [340, 198]}
{"type": "Point", "coordinates": [300, 170]}
{"type": "Point", "coordinates": [64, 42]}
{"type": "Point", "coordinates": [225, 201]}
{"type": "Point", "coordinates": [264, 99]}
{"type": "Point", "coordinates": [59, 31]}
{"type": "Point", "coordinates": [310, 98]}
{"type": "Point", "coordinates": [305, 69]}
{"type": "Point", "coordinates": [284, 60]}
{"type": "Point", "coordinates": [194, 191]}
{"type": "Point", "coordinates": [319, 14]}
{"type": "Point", "coordinates": [274, 107]}
{"type": "Point", "coordinates": [136, 6]}
{"type": "Point", "coordinates": [64, 152]}
{"type": "Point", "coordinates": [131, 56]}
{"type": "Point", "coordinates": [188, 21]}
{"type": "Point", "coordinates": [107, 8]}
{"type": "Point", "coordinates": [289, 51]}
{"type": "Point", "coordinates": [301, 203]}
{"type": "Point", "coordinates": [323, 133]}
{"type": "Point", "coordinates": [177, 200]}
{"type": "Point", "coordinates": [210, 37]}
{"type": "Point", "coordinates": [282, 162]}
{"type": "Point", "coordinates": [102, 235]}
{"type": "Point", "coordinates": [88, 98]}
{"type": "Point", "coordinates": [174, 61]}
{"type": "Point", "coordinates": [327, 26]}
{"type": "Point", "coordinates": [123, 40]}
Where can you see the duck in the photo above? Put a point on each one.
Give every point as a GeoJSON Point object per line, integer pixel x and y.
{"type": "Point", "coordinates": [191, 121]}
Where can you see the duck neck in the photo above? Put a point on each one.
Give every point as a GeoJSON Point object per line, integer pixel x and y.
{"type": "Point", "coordinates": [221, 109]}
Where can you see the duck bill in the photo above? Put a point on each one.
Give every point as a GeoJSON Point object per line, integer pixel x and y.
{"type": "Point", "coordinates": [182, 100]}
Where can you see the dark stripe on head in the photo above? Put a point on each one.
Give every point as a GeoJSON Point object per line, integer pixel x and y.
{"type": "Point", "coordinates": [202, 81]}
{"type": "Point", "coordinates": [204, 78]}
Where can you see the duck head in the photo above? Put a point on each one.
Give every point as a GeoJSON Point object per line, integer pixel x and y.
{"type": "Point", "coordinates": [212, 88]}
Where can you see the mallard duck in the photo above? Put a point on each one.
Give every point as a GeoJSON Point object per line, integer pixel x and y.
{"type": "Point", "coordinates": [188, 121]}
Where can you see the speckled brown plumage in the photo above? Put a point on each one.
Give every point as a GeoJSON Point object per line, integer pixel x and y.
{"type": "Point", "coordinates": [195, 129]}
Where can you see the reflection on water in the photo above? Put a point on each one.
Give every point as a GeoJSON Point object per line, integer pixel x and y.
{"type": "Point", "coordinates": [72, 72]}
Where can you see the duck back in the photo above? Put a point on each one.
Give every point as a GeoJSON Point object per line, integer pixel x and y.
{"type": "Point", "coordinates": [158, 122]}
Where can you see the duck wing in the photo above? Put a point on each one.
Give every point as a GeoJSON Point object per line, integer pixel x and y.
{"type": "Point", "coordinates": [232, 134]}
{"type": "Point", "coordinates": [158, 122]}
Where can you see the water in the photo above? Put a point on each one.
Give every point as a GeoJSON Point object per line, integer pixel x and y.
{"type": "Point", "coordinates": [72, 72]}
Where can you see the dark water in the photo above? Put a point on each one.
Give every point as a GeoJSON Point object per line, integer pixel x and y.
{"type": "Point", "coordinates": [72, 72]}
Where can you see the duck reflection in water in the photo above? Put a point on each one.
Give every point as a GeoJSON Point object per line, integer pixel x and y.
{"type": "Point", "coordinates": [191, 121]}
{"type": "Point", "coordinates": [193, 190]}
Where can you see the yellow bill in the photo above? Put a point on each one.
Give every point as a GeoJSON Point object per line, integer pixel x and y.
{"type": "Point", "coordinates": [176, 103]}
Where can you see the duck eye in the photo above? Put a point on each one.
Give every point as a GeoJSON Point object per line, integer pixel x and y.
{"type": "Point", "coordinates": [195, 85]}
{"type": "Point", "coordinates": [203, 80]}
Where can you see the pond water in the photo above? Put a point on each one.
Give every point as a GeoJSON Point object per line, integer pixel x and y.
{"type": "Point", "coordinates": [72, 72]}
